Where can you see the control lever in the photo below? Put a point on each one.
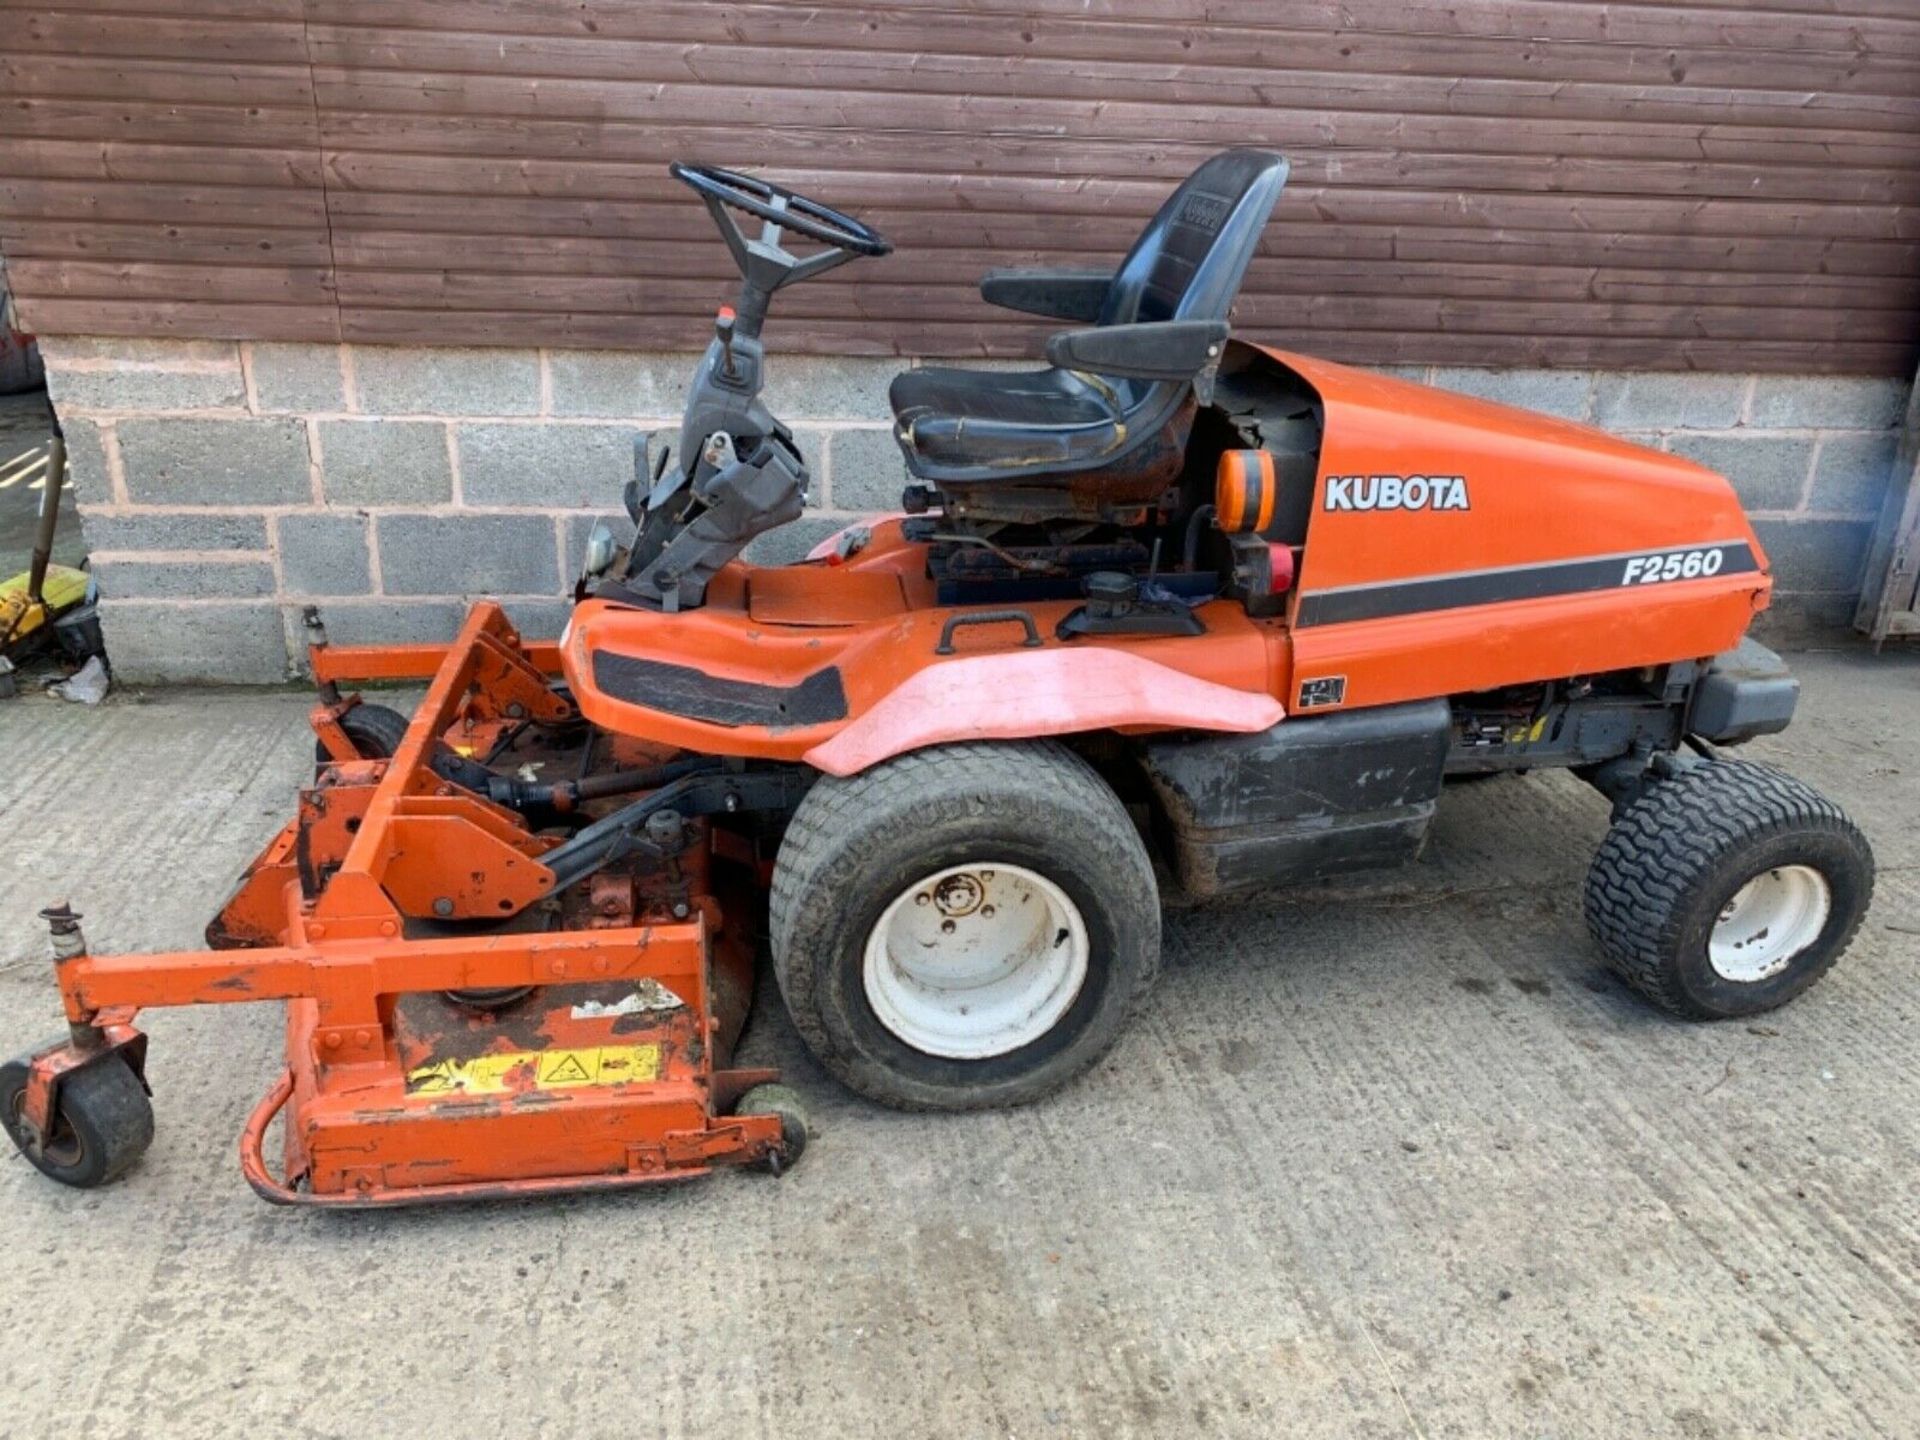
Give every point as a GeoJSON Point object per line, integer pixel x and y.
{"type": "Point", "coordinates": [723, 328]}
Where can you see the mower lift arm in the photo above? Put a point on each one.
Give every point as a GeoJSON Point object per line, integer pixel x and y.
{"type": "Point", "coordinates": [100, 989]}
{"type": "Point", "coordinates": [627, 829]}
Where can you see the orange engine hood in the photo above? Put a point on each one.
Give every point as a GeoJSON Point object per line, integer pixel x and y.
{"type": "Point", "coordinates": [1455, 544]}
{"type": "Point", "coordinates": [1533, 488]}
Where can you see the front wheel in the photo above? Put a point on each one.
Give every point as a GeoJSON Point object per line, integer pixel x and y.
{"type": "Point", "coordinates": [965, 926]}
{"type": "Point", "coordinates": [102, 1122]}
{"type": "Point", "coordinates": [1727, 889]}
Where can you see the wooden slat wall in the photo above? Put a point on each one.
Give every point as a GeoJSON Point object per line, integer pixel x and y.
{"type": "Point", "coordinates": [1725, 184]}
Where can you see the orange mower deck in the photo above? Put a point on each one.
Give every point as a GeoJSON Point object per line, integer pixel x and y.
{"type": "Point", "coordinates": [587, 1050]}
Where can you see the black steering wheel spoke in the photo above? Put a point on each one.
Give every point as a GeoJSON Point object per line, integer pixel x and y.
{"type": "Point", "coordinates": [781, 211]}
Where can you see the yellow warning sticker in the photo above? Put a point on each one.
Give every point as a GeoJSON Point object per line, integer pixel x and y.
{"type": "Point", "coordinates": [536, 1070]}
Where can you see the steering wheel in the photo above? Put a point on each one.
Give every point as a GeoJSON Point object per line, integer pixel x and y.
{"type": "Point", "coordinates": [778, 206]}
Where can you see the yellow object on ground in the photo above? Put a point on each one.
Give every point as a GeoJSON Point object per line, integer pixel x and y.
{"type": "Point", "coordinates": [63, 588]}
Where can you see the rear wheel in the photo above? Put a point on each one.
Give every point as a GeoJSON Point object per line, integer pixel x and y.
{"type": "Point", "coordinates": [1727, 889]}
{"type": "Point", "coordinates": [965, 926]}
{"type": "Point", "coordinates": [103, 1121]}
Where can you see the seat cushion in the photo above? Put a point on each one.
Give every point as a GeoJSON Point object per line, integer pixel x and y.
{"type": "Point", "coordinates": [955, 420]}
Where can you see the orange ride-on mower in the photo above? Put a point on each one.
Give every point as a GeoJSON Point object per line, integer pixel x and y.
{"type": "Point", "coordinates": [1173, 597]}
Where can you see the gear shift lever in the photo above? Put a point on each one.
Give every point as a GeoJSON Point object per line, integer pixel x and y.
{"type": "Point", "coordinates": [723, 328]}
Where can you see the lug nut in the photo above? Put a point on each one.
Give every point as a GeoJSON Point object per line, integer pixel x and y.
{"type": "Point", "coordinates": [946, 927]}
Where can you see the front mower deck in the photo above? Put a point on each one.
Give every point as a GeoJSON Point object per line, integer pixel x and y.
{"type": "Point", "coordinates": [433, 1050]}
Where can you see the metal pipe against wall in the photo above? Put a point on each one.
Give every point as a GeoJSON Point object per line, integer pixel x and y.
{"type": "Point", "coordinates": [49, 516]}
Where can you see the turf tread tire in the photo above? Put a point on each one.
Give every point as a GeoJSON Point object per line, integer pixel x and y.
{"type": "Point", "coordinates": [1674, 849]}
{"type": "Point", "coordinates": [845, 828]}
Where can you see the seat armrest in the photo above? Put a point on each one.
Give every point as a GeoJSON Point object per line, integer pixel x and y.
{"type": "Point", "coordinates": [1057, 294]}
{"type": "Point", "coordinates": [1152, 350]}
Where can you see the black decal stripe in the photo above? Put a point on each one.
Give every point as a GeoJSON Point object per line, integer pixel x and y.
{"type": "Point", "coordinates": [1490, 587]}
{"type": "Point", "coordinates": [693, 694]}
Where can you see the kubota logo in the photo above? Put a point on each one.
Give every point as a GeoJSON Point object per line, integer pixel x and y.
{"type": "Point", "coordinates": [1395, 492]}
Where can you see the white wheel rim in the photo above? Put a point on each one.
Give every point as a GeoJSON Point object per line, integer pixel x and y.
{"type": "Point", "coordinates": [976, 960]}
{"type": "Point", "coordinates": [1770, 919]}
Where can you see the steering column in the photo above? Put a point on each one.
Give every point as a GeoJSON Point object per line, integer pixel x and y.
{"type": "Point", "coordinates": [739, 472]}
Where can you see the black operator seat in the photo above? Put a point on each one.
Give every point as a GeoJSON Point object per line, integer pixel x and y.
{"type": "Point", "coordinates": [1118, 395]}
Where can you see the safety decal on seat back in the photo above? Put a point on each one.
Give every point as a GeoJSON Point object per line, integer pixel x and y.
{"type": "Point", "coordinates": [1204, 212]}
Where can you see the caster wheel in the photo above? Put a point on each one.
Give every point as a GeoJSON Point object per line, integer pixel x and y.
{"type": "Point", "coordinates": [376, 732]}
{"type": "Point", "coordinates": [779, 1100]}
{"type": "Point", "coordinates": [103, 1122]}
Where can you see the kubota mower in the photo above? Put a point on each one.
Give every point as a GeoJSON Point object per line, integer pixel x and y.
{"type": "Point", "coordinates": [1176, 611]}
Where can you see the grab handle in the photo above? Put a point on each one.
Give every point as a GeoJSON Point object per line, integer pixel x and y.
{"type": "Point", "coordinates": [987, 617]}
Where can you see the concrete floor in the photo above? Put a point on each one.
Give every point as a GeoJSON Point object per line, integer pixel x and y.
{"type": "Point", "coordinates": [1396, 1158]}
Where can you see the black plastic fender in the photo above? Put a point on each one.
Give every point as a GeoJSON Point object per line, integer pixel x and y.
{"type": "Point", "coordinates": [1304, 799]}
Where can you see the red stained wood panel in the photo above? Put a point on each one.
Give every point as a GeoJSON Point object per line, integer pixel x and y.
{"type": "Point", "coordinates": [1665, 183]}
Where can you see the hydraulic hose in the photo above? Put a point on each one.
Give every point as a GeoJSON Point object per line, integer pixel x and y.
{"type": "Point", "coordinates": [1196, 522]}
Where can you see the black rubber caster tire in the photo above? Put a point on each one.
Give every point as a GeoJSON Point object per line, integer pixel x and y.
{"type": "Point", "coordinates": [795, 1127]}
{"type": "Point", "coordinates": [103, 1124]}
{"type": "Point", "coordinates": [375, 730]}
{"type": "Point", "coordinates": [858, 847]}
{"type": "Point", "coordinates": [1677, 861]}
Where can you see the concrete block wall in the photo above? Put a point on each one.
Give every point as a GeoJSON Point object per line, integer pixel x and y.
{"type": "Point", "coordinates": [224, 486]}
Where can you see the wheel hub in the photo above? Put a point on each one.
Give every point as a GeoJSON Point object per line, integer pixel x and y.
{"type": "Point", "coordinates": [62, 1147]}
{"type": "Point", "coordinates": [1768, 921]}
{"type": "Point", "coordinates": [961, 894]}
{"type": "Point", "coordinates": [976, 961]}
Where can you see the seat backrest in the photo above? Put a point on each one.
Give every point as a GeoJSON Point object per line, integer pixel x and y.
{"type": "Point", "coordinates": [1189, 261]}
